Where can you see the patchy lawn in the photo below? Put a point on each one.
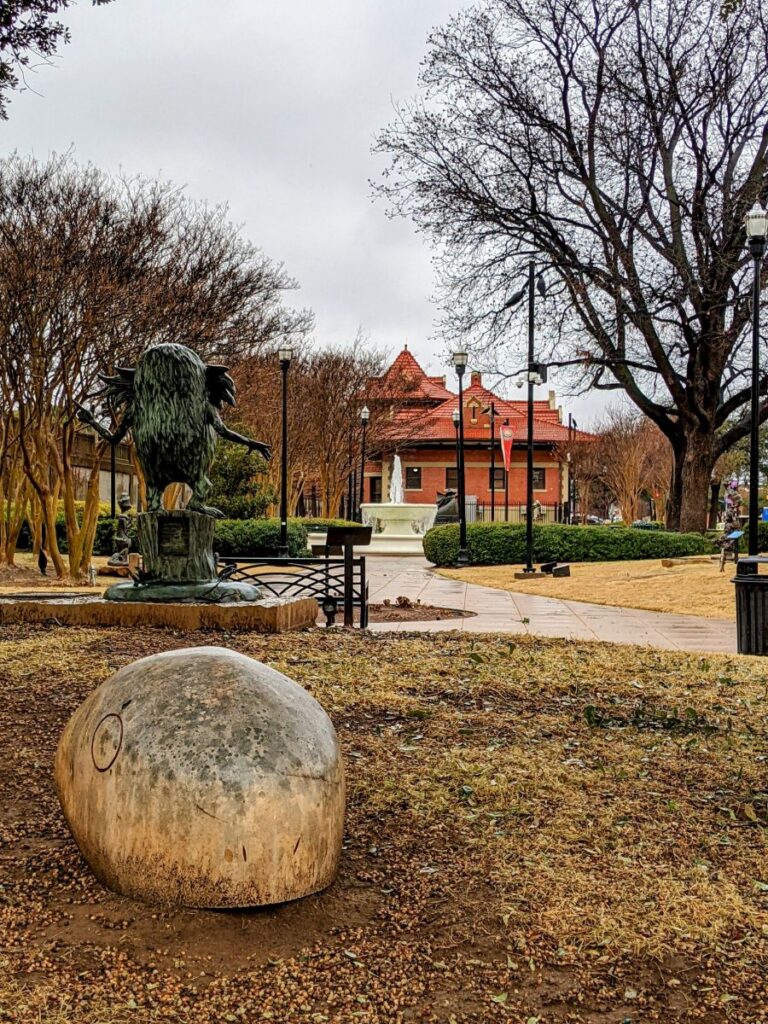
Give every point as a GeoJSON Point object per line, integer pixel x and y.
{"type": "Point", "coordinates": [693, 588]}
{"type": "Point", "coordinates": [538, 831]}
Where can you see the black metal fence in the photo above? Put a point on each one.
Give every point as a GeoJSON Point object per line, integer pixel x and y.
{"type": "Point", "coordinates": [330, 580]}
{"type": "Point", "coordinates": [550, 513]}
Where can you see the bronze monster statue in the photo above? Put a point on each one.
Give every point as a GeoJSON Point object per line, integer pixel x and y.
{"type": "Point", "coordinates": [171, 403]}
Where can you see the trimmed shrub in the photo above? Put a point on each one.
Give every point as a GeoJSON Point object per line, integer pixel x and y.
{"type": "Point", "coordinates": [258, 538]}
{"type": "Point", "coordinates": [315, 525]}
{"type": "Point", "coordinates": [504, 544]}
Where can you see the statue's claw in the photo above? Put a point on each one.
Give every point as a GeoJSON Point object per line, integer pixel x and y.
{"type": "Point", "coordinates": [83, 414]}
{"type": "Point", "coordinates": [205, 510]}
{"type": "Point", "coordinates": [263, 449]}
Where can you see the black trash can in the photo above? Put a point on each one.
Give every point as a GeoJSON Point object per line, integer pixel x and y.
{"type": "Point", "coordinates": [751, 606]}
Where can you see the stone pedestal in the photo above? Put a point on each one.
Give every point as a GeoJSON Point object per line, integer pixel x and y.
{"type": "Point", "coordinates": [202, 777]}
{"type": "Point", "coordinates": [177, 546]}
{"type": "Point", "coordinates": [179, 563]}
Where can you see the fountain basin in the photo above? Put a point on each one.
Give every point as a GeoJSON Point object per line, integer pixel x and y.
{"type": "Point", "coordinates": [398, 527]}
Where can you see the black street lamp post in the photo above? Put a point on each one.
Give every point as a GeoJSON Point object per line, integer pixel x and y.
{"type": "Point", "coordinates": [751, 587]}
{"type": "Point", "coordinates": [456, 417]}
{"type": "Point", "coordinates": [536, 373]}
{"type": "Point", "coordinates": [285, 355]}
{"type": "Point", "coordinates": [756, 225]}
{"type": "Point", "coordinates": [460, 365]}
{"type": "Point", "coordinates": [492, 419]}
{"type": "Point", "coordinates": [365, 415]}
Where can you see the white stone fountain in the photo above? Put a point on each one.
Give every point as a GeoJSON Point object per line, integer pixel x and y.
{"type": "Point", "coordinates": [398, 526]}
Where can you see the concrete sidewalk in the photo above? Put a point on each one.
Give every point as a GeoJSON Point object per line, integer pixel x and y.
{"type": "Point", "coordinates": [498, 611]}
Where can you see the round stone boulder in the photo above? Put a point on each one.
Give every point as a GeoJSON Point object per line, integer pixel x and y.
{"type": "Point", "coordinates": [203, 777]}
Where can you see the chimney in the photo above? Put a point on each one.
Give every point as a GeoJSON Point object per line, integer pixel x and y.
{"type": "Point", "coordinates": [476, 378]}
{"type": "Point", "coordinates": [552, 400]}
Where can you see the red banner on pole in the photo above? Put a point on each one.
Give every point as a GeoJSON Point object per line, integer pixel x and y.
{"type": "Point", "coordinates": [506, 435]}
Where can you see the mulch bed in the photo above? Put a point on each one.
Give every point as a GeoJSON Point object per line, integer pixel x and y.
{"type": "Point", "coordinates": [414, 613]}
{"type": "Point", "coordinates": [538, 831]}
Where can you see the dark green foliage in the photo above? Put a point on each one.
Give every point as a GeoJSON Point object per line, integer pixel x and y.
{"type": "Point", "coordinates": [762, 538]}
{"type": "Point", "coordinates": [237, 483]}
{"type": "Point", "coordinates": [251, 538]}
{"type": "Point", "coordinates": [647, 524]}
{"type": "Point", "coordinates": [315, 525]}
{"type": "Point", "coordinates": [504, 544]}
{"type": "Point", "coordinates": [258, 538]}
{"type": "Point", "coordinates": [28, 35]}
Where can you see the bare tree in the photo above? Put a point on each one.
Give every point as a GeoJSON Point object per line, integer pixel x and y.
{"type": "Point", "coordinates": [92, 272]}
{"type": "Point", "coordinates": [327, 389]}
{"type": "Point", "coordinates": [620, 144]}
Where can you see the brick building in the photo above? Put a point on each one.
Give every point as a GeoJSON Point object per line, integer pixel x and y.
{"type": "Point", "coordinates": [424, 434]}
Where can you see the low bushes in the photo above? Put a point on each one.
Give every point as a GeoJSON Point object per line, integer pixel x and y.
{"type": "Point", "coordinates": [317, 524]}
{"type": "Point", "coordinates": [258, 538]}
{"type": "Point", "coordinates": [251, 538]}
{"type": "Point", "coordinates": [504, 544]}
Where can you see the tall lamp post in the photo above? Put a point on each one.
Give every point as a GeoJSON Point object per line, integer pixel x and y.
{"type": "Point", "coordinates": [536, 373]}
{"type": "Point", "coordinates": [492, 419]}
{"type": "Point", "coordinates": [365, 415]}
{"type": "Point", "coordinates": [284, 355]}
{"type": "Point", "coordinates": [460, 365]}
{"type": "Point", "coordinates": [456, 416]}
{"type": "Point", "coordinates": [756, 224]}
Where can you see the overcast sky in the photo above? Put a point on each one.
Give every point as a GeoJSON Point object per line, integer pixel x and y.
{"type": "Point", "coordinates": [270, 106]}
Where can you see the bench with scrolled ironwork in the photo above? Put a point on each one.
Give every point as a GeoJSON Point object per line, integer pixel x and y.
{"type": "Point", "coordinates": [334, 582]}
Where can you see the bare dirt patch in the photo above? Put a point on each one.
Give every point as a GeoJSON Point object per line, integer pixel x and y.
{"type": "Point", "coordinates": [536, 829]}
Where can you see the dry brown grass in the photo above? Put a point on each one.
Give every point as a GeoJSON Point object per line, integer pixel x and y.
{"type": "Point", "coordinates": [544, 829]}
{"type": "Point", "coordinates": [693, 588]}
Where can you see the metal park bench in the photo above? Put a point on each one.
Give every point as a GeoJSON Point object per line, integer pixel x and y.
{"type": "Point", "coordinates": [333, 580]}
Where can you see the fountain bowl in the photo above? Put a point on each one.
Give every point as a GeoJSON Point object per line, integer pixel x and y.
{"type": "Point", "coordinates": [398, 527]}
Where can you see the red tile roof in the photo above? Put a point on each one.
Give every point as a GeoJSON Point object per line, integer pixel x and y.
{"type": "Point", "coordinates": [406, 379]}
{"type": "Point", "coordinates": [436, 424]}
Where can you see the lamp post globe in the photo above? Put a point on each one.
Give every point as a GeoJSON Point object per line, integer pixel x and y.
{"type": "Point", "coordinates": [365, 415]}
{"type": "Point", "coordinates": [756, 225]}
{"type": "Point", "coordinates": [285, 355]}
{"type": "Point", "coordinates": [460, 365]}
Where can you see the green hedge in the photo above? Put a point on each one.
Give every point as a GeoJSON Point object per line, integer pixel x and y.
{"type": "Point", "coordinates": [258, 538]}
{"type": "Point", "coordinates": [504, 544]}
{"type": "Point", "coordinates": [316, 524]}
{"type": "Point", "coordinates": [251, 538]}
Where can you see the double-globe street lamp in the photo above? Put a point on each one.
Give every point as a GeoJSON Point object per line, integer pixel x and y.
{"type": "Point", "coordinates": [365, 415]}
{"type": "Point", "coordinates": [460, 365]}
{"type": "Point", "coordinates": [285, 355]}
{"type": "Point", "coordinates": [756, 223]}
{"type": "Point", "coordinates": [536, 373]}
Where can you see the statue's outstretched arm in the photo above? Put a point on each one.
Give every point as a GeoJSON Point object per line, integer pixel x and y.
{"type": "Point", "coordinates": [231, 435]}
{"type": "Point", "coordinates": [86, 416]}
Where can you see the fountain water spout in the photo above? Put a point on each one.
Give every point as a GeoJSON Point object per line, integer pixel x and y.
{"type": "Point", "coordinates": [396, 495]}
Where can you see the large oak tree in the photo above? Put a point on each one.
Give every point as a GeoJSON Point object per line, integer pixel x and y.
{"type": "Point", "coordinates": [620, 143]}
{"type": "Point", "coordinates": [30, 32]}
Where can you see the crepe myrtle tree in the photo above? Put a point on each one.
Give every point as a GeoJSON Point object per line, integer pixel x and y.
{"type": "Point", "coordinates": [620, 143]}
{"type": "Point", "coordinates": [93, 271]}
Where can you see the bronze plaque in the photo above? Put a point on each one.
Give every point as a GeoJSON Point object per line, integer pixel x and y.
{"type": "Point", "coordinates": [173, 537]}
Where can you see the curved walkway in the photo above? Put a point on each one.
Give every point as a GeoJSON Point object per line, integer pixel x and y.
{"type": "Point", "coordinates": [499, 611]}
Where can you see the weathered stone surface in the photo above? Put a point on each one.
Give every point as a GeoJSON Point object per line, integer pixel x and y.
{"type": "Point", "coordinates": [269, 615]}
{"type": "Point", "coordinates": [177, 545]}
{"type": "Point", "coordinates": [205, 778]}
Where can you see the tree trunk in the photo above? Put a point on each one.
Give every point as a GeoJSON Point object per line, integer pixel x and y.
{"type": "Point", "coordinates": [675, 496]}
{"type": "Point", "coordinates": [696, 473]}
{"type": "Point", "coordinates": [714, 503]}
